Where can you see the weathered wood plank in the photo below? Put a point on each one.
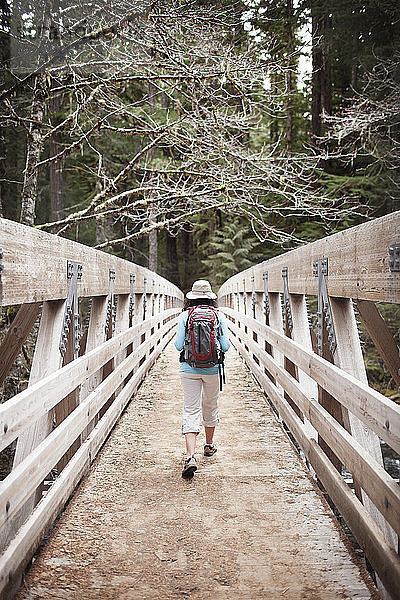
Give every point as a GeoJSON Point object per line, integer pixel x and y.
{"type": "Point", "coordinates": [348, 356]}
{"type": "Point", "coordinates": [96, 336]}
{"type": "Point", "coordinates": [378, 412]}
{"type": "Point", "coordinates": [29, 405]}
{"type": "Point", "coordinates": [301, 334]}
{"type": "Point", "coordinates": [40, 259]}
{"type": "Point", "coordinates": [16, 336]}
{"type": "Point", "coordinates": [46, 360]}
{"type": "Point", "coordinates": [358, 265]}
{"type": "Point", "coordinates": [69, 403]}
{"type": "Point", "coordinates": [122, 324]}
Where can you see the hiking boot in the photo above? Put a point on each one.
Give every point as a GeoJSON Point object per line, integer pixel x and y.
{"type": "Point", "coordinates": [209, 449]}
{"type": "Point", "coordinates": [189, 467]}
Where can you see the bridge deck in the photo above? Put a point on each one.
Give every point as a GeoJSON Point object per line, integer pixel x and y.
{"type": "Point", "coordinates": [251, 524]}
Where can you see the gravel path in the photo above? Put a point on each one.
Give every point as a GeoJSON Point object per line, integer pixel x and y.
{"type": "Point", "coordinates": [251, 524]}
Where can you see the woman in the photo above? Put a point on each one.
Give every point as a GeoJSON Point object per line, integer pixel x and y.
{"type": "Point", "coordinates": [200, 385]}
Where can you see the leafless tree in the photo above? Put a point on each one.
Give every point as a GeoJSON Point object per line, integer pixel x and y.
{"type": "Point", "coordinates": [201, 115]}
{"type": "Point", "coordinates": [370, 125]}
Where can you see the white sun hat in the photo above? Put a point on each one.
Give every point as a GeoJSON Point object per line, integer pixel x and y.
{"type": "Point", "coordinates": [201, 289]}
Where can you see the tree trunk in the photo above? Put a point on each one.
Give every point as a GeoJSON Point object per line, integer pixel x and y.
{"type": "Point", "coordinates": [57, 166]}
{"type": "Point", "coordinates": [185, 254]}
{"type": "Point", "coordinates": [33, 152]}
{"type": "Point", "coordinates": [317, 65]}
{"type": "Point", "coordinates": [153, 246]}
{"type": "Point", "coordinates": [321, 72]}
{"type": "Point", "coordinates": [100, 220]}
{"type": "Point", "coordinates": [172, 259]}
{"type": "Point", "coordinates": [289, 74]}
{"type": "Point", "coordinates": [273, 128]}
{"type": "Point", "coordinates": [34, 141]}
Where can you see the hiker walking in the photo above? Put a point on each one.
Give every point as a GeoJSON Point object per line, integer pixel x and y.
{"type": "Point", "coordinates": [202, 340]}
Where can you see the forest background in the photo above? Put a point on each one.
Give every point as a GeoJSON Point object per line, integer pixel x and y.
{"type": "Point", "coordinates": [199, 137]}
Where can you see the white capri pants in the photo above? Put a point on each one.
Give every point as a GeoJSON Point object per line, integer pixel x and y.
{"type": "Point", "coordinates": [200, 395]}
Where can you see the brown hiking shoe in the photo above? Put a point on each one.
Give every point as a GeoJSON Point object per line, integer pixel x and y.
{"type": "Point", "coordinates": [209, 449]}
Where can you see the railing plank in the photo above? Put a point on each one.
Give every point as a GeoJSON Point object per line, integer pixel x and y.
{"type": "Point", "coordinates": [46, 359]}
{"type": "Point", "coordinates": [378, 412]}
{"type": "Point", "coordinates": [349, 358]}
{"type": "Point", "coordinates": [378, 484]}
{"type": "Point", "coordinates": [35, 267]}
{"type": "Point", "coordinates": [382, 556]}
{"type": "Point", "coordinates": [357, 268]}
{"type": "Point", "coordinates": [22, 547]}
{"type": "Point", "coordinates": [29, 405]}
{"type": "Point", "coordinates": [18, 486]}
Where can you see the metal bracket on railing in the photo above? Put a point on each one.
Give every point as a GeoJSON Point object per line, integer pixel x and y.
{"type": "Point", "coordinates": [144, 298]}
{"type": "Point", "coordinates": [132, 278]}
{"type": "Point", "coordinates": [394, 254]}
{"type": "Point", "coordinates": [111, 308]}
{"type": "Point", "coordinates": [253, 296]}
{"type": "Point", "coordinates": [153, 299]}
{"type": "Point", "coordinates": [320, 270]}
{"type": "Point", "coordinates": [1, 261]}
{"type": "Point", "coordinates": [159, 297]}
{"type": "Point", "coordinates": [244, 297]}
{"type": "Point", "coordinates": [287, 310]}
{"type": "Point", "coordinates": [267, 308]}
{"type": "Point", "coordinates": [71, 312]}
{"type": "Point", "coordinates": [237, 296]}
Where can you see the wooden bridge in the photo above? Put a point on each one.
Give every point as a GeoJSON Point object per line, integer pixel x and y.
{"type": "Point", "coordinates": [103, 323]}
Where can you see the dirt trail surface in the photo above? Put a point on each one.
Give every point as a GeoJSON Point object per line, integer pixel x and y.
{"type": "Point", "coordinates": [251, 524]}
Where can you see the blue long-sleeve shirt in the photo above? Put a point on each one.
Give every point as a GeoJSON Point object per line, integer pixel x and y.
{"type": "Point", "coordinates": [180, 340]}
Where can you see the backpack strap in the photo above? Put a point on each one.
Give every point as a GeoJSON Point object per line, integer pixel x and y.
{"type": "Point", "coordinates": [190, 311]}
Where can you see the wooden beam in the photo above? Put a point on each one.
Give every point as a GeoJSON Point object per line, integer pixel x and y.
{"type": "Point", "coordinates": [381, 335]}
{"type": "Point", "coordinates": [95, 337]}
{"type": "Point", "coordinates": [348, 356]}
{"type": "Point", "coordinates": [357, 268]}
{"type": "Point", "coordinates": [46, 359]}
{"type": "Point", "coordinates": [16, 336]}
{"type": "Point", "coordinates": [67, 404]}
{"type": "Point", "coordinates": [122, 324]}
{"type": "Point", "coordinates": [379, 485]}
{"type": "Point", "coordinates": [301, 334]}
{"type": "Point", "coordinates": [33, 256]}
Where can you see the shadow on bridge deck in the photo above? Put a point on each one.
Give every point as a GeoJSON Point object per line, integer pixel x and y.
{"type": "Point", "coordinates": [251, 524]}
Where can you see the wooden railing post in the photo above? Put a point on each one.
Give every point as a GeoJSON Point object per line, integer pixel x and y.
{"type": "Point", "coordinates": [301, 334]}
{"type": "Point", "coordinates": [46, 359]}
{"type": "Point", "coordinates": [348, 356]}
{"type": "Point", "coordinates": [95, 336]}
{"type": "Point", "coordinates": [121, 324]}
{"type": "Point", "coordinates": [276, 322]}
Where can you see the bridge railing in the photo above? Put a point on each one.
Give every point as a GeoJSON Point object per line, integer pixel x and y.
{"type": "Point", "coordinates": [81, 377]}
{"type": "Point", "coordinates": [317, 382]}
